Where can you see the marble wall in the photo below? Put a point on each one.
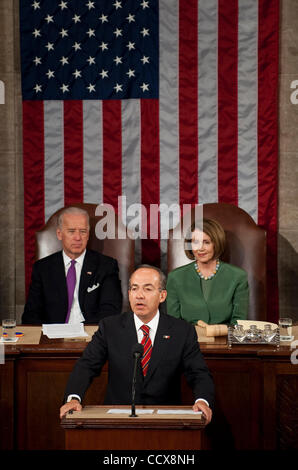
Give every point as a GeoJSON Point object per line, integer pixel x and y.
{"type": "Point", "coordinates": [288, 160]}
{"type": "Point", "coordinates": [11, 199]}
{"type": "Point", "coordinates": [12, 285]}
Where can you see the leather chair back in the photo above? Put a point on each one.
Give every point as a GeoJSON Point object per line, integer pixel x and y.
{"type": "Point", "coordinates": [245, 247]}
{"type": "Point", "coordinates": [118, 244]}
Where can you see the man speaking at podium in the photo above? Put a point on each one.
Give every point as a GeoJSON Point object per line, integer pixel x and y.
{"type": "Point", "coordinates": [170, 348]}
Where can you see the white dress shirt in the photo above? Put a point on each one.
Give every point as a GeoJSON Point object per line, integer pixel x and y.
{"type": "Point", "coordinates": [76, 315]}
{"type": "Point", "coordinates": [153, 324]}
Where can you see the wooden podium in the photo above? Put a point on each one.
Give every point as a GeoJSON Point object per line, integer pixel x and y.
{"type": "Point", "coordinates": [95, 429]}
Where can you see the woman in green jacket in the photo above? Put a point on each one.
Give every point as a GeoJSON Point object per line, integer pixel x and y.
{"type": "Point", "coordinates": [207, 289]}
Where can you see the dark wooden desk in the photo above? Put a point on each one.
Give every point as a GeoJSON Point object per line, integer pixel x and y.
{"type": "Point", "coordinates": [256, 395]}
{"type": "Point", "coordinates": [95, 429]}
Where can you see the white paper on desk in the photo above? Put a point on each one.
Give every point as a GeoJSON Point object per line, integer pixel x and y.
{"type": "Point", "coordinates": [178, 412]}
{"type": "Point", "coordinates": [64, 330]}
{"type": "Point", "coordinates": [127, 411]}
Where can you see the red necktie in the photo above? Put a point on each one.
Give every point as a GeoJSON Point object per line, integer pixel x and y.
{"type": "Point", "coordinates": [146, 342]}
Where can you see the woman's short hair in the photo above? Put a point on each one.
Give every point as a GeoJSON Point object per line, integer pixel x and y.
{"type": "Point", "coordinates": [213, 229]}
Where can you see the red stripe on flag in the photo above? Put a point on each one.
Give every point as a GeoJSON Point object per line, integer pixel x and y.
{"type": "Point", "coordinates": [73, 152]}
{"type": "Point", "coordinates": [112, 152]}
{"type": "Point", "coordinates": [150, 174]}
{"type": "Point", "coordinates": [188, 102]}
{"type": "Point", "coordinates": [268, 142]}
{"type": "Point", "coordinates": [227, 101]}
{"type": "Point", "coordinates": [33, 164]}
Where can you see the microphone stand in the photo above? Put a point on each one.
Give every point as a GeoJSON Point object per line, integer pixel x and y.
{"type": "Point", "coordinates": [137, 352]}
{"type": "Point", "coordinates": [133, 393]}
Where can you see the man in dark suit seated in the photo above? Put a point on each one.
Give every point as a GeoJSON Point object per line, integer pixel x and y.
{"type": "Point", "coordinates": [75, 284]}
{"type": "Point", "coordinates": [171, 348]}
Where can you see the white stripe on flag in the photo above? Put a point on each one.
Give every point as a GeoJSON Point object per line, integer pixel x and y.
{"type": "Point", "coordinates": [247, 107]}
{"type": "Point", "coordinates": [168, 107]}
{"type": "Point", "coordinates": [53, 157]}
{"type": "Point", "coordinates": [93, 151]}
{"type": "Point", "coordinates": [168, 101]}
{"type": "Point", "coordinates": [131, 159]}
{"type": "Point", "coordinates": [207, 101]}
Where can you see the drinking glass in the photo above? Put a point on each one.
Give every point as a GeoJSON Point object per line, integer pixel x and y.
{"type": "Point", "coordinates": [8, 329]}
{"type": "Point", "coordinates": [239, 333]}
{"type": "Point", "coordinates": [285, 329]}
{"type": "Point", "coordinates": [268, 333]}
{"type": "Point", "coordinates": [253, 334]}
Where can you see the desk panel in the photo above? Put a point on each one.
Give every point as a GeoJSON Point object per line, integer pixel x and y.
{"type": "Point", "coordinates": [256, 395]}
{"type": "Point", "coordinates": [7, 412]}
{"type": "Point", "coordinates": [40, 393]}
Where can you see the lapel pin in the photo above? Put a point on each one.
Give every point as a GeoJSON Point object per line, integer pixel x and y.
{"type": "Point", "coordinates": [89, 272]}
{"type": "Point", "coordinates": [166, 337]}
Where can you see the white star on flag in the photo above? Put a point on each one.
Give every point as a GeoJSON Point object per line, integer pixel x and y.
{"type": "Point", "coordinates": [37, 60]}
{"type": "Point", "coordinates": [90, 5]}
{"type": "Point", "coordinates": [118, 32]}
{"type": "Point", "coordinates": [64, 88]}
{"type": "Point", "coordinates": [145, 60]}
{"type": "Point", "coordinates": [91, 60]}
{"type": "Point", "coordinates": [64, 32]}
{"type": "Point", "coordinates": [64, 60]}
{"type": "Point", "coordinates": [130, 18]}
{"type": "Point", "coordinates": [77, 73]}
{"type": "Point", "coordinates": [35, 5]}
{"type": "Point", "coordinates": [76, 46]}
{"type": "Point", "coordinates": [37, 88]}
{"type": "Point", "coordinates": [50, 46]}
{"type": "Point", "coordinates": [130, 73]}
{"type": "Point", "coordinates": [90, 32]}
{"type": "Point", "coordinates": [118, 60]}
{"type": "Point", "coordinates": [50, 73]}
{"type": "Point", "coordinates": [145, 32]}
{"type": "Point", "coordinates": [91, 87]}
{"type": "Point", "coordinates": [63, 5]}
{"type": "Point", "coordinates": [103, 18]}
{"type": "Point", "coordinates": [49, 19]}
{"type": "Point", "coordinates": [36, 33]}
{"type": "Point", "coordinates": [145, 87]}
{"type": "Point", "coordinates": [118, 87]}
{"type": "Point", "coordinates": [104, 46]}
{"type": "Point", "coordinates": [104, 73]}
{"type": "Point", "coordinates": [145, 4]}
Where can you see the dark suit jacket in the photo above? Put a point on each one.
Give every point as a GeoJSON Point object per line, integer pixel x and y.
{"type": "Point", "coordinates": [47, 299]}
{"type": "Point", "coordinates": [175, 350]}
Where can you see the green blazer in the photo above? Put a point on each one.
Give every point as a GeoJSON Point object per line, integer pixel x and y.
{"type": "Point", "coordinates": [227, 298]}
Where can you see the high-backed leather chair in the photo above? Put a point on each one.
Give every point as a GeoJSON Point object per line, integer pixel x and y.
{"type": "Point", "coordinates": [245, 247]}
{"type": "Point", "coordinates": [118, 244]}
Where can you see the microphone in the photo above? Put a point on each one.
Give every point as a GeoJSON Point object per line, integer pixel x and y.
{"type": "Point", "coordinates": [137, 352]}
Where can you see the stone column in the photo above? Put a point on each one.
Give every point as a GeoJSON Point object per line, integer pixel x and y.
{"type": "Point", "coordinates": [288, 160]}
{"type": "Point", "coordinates": [11, 178]}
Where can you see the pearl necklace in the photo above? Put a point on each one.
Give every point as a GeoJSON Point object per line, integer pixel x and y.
{"type": "Point", "coordinates": [207, 278]}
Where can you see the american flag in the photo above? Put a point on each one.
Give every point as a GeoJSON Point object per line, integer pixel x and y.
{"type": "Point", "coordinates": [164, 102]}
